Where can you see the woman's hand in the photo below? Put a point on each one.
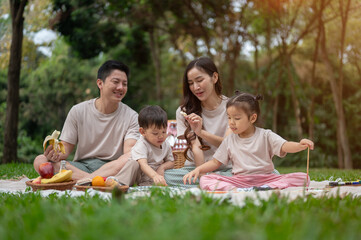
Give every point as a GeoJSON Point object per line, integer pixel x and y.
{"type": "Point", "coordinates": [195, 122]}
{"type": "Point", "coordinates": [188, 177]}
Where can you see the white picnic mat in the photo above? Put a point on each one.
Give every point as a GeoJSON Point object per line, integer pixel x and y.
{"type": "Point", "coordinates": [316, 189]}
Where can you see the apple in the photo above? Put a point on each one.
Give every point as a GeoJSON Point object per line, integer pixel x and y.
{"type": "Point", "coordinates": [46, 170]}
{"type": "Point", "coordinates": [110, 182]}
{"type": "Point", "coordinates": [37, 180]}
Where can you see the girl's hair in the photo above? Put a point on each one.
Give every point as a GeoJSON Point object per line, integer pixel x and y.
{"type": "Point", "coordinates": [152, 116]}
{"type": "Point", "coordinates": [247, 102]}
{"type": "Point", "coordinates": [190, 103]}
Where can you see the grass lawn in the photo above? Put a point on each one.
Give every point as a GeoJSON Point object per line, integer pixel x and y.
{"type": "Point", "coordinates": [30, 216]}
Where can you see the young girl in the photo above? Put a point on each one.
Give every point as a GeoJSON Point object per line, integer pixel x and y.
{"type": "Point", "coordinates": [250, 150]}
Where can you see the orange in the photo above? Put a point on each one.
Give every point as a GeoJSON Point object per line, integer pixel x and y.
{"type": "Point", "coordinates": [98, 181]}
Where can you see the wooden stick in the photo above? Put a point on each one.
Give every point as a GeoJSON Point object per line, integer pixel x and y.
{"type": "Point", "coordinates": [308, 162]}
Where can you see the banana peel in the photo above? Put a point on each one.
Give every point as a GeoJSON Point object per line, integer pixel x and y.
{"type": "Point", "coordinates": [53, 140]}
{"type": "Point", "coordinates": [63, 176]}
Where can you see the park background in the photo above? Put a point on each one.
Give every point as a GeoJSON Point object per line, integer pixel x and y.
{"type": "Point", "coordinates": [302, 56]}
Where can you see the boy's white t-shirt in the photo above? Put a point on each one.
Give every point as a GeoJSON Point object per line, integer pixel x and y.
{"type": "Point", "coordinates": [155, 156]}
{"type": "Point", "coordinates": [214, 121]}
{"type": "Point", "coordinates": [99, 135]}
{"type": "Point", "coordinates": [251, 155]}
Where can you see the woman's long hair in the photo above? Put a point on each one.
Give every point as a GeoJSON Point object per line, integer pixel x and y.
{"type": "Point", "coordinates": [191, 104]}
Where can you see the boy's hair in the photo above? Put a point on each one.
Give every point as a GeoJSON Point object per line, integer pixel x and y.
{"type": "Point", "coordinates": [109, 66]}
{"type": "Point", "coordinates": [247, 102]}
{"type": "Point", "coordinates": [152, 115]}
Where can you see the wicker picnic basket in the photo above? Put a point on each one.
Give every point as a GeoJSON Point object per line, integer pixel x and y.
{"type": "Point", "coordinates": [179, 158]}
{"type": "Point", "coordinates": [55, 186]}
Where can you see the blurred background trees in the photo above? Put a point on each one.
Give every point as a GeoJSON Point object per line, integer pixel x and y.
{"type": "Point", "coordinates": [303, 56]}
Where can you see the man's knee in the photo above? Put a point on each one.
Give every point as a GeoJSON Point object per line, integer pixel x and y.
{"type": "Point", "coordinates": [39, 160]}
{"type": "Point", "coordinates": [133, 165]}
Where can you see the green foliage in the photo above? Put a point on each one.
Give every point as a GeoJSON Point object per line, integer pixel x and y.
{"type": "Point", "coordinates": [53, 88]}
{"type": "Point", "coordinates": [86, 27]}
{"type": "Point", "coordinates": [95, 31]}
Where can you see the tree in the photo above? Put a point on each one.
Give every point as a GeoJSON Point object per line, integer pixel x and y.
{"type": "Point", "coordinates": [337, 86]}
{"type": "Point", "coordinates": [12, 102]}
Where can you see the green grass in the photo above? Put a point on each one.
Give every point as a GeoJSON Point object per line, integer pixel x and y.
{"type": "Point", "coordinates": [30, 216]}
{"type": "Point", "coordinates": [15, 170]}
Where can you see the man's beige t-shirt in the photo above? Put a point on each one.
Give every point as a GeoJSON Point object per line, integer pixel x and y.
{"type": "Point", "coordinates": [214, 122]}
{"type": "Point", "coordinates": [251, 155]}
{"type": "Point", "coordinates": [99, 135]}
{"type": "Point", "coordinates": [155, 156]}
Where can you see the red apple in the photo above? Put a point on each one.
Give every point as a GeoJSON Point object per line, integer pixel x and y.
{"type": "Point", "coordinates": [46, 170]}
{"type": "Point", "coordinates": [37, 180]}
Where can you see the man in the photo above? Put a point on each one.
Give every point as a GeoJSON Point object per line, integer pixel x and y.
{"type": "Point", "coordinates": [104, 130]}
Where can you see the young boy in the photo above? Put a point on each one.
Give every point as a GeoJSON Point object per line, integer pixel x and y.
{"type": "Point", "coordinates": [152, 152]}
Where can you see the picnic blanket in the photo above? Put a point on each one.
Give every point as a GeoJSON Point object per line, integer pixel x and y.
{"type": "Point", "coordinates": [237, 197]}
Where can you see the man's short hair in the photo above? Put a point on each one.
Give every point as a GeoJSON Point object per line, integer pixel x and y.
{"type": "Point", "coordinates": [109, 66]}
{"type": "Point", "coordinates": [152, 115]}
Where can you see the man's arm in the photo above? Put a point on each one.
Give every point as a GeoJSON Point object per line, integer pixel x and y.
{"type": "Point", "coordinates": [128, 144]}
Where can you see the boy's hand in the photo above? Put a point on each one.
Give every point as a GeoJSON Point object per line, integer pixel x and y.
{"type": "Point", "coordinates": [307, 143]}
{"type": "Point", "coordinates": [159, 180]}
{"type": "Point", "coordinates": [188, 177]}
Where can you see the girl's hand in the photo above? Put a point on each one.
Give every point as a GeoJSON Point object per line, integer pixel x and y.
{"type": "Point", "coordinates": [194, 174]}
{"type": "Point", "coordinates": [305, 143]}
{"type": "Point", "coordinates": [159, 180]}
{"type": "Point", "coordinates": [195, 122]}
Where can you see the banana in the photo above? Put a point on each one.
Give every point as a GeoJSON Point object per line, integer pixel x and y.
{"type": "Point", "coordinates": [53, 140]}
{"type": "Point", "coordinates": [63, 176]}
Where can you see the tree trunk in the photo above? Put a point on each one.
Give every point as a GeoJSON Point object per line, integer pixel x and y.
{"type": "Point", "coordinates": [154, 48]}
{"type": "Point", "coordinates": [341, 121]}
{"type": "Point", "coordinates": [232, 63]}
{"type": "Point", "coordinates": [275, 114]}
{"type": "Point", "coordinates": [12, 100]}
{"type": "Point", "coordinates": [342, 124]}
{"type": "Point", "coordinates": [340, 161]}
{"type": "Point", "coordinates": [276, 102]}
{"type": "Point", "coordinates": [310, 114]}
{"type": "Point", "coordinates": [287, 63]}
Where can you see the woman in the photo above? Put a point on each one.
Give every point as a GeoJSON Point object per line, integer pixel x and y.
{"type": "Point", "coordinates": [201, 118]}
